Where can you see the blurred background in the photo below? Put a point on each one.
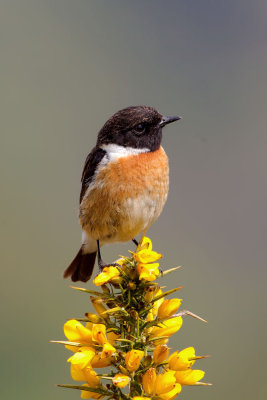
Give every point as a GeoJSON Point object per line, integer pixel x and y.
{"type": "Point", "coordinates": [66, 67]}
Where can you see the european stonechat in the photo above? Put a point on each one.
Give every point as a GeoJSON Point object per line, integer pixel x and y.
{"type": "Point", "coordinates": [125, 183]}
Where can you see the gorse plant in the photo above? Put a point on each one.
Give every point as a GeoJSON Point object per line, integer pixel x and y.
{"type": "Point", "coordinates": [129, 334]}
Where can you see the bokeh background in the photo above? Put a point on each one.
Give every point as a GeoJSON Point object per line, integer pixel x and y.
{"type": "Point", "coordinates": [66, 66]}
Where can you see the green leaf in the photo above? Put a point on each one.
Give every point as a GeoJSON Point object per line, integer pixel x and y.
{"type": "Point", "coordinates": [157, 338]}
{"type": "Point", "coordinates": [66, 343]}
{"type": "Point", "coordinates": [102, 294]}
{"type": "Point", "coordinates": [168, 271]}
{"type": "Point", "coordinates": [87, 389]}
{"type": "Point", "coordinates": [166, 294]}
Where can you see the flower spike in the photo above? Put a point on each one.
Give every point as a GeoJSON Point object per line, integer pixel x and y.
{"type": "Point", "coordinates": [129, 332]}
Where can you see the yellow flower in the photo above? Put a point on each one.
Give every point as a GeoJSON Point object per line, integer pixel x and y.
{"type": "Point", "coordinates": [99, 334]}
{"type": "Point", "coordinates": [121, 380]}
{"type": "Point", "coordinates": [180, 361]}
{"type": "Point", "coordinates": [149, 379]}
{"type": "Point", "coordinates": [146, 256]}
{"type": "Point", "coordinates": [76, 332]}
{"type": "Point", "coordinates": [144, 253]}
{"type": "Point", "coordinates": [189, 377]}
{"type": "Point", "coordinates": [141, 398]}
{"type": "Point", "coordinates": [160, 353]}
{"type": "Point", "coordinates": [112, 336]}
{"type": "Point", "coordinates": [88, 375]}
{"type": "Point", "coordinates": [164, 383]}
{"type": "Point", "coordinates": [107, 351]}
{"type": "Point", "coordinates": [77, 373]}
{"type": "Point", "coordinates": [157, 303]}
{"type": "Point", "coordinates": [156, 385]}
{"type": "Point", "coordinates": [166, 328]}
{"type": "Point", "coordinates": [145, 243]}
{"type": "Point", "coordinates": [93, 381]}
{"type": "Point", "coordinates": [129, 313]}
{"type": "Point", "coordinates": [168, 308]}
{"type": "Point", "coordinates": [149, 272]}
{"type": "Point", "coordinates": [98, 362]}
{"type": "Point", "coordinates": [83, 357]}
{"type": "Point", "coordinates": [172, 393]}
{"type": "Point", "coordinates": [106, 275]}
{"type": "Point", "coordinates": [133, 359]}
{"type": "Point", "coordinates": [85, 374]}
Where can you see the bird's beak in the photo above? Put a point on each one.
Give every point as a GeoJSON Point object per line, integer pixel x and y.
{"type": "Point", "coordinates": [168, 120]}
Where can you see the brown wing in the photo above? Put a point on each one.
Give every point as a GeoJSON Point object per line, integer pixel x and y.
{"type": "Point", "coordinates": [91, 163]}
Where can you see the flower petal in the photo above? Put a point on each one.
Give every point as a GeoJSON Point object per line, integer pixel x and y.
{"type": "Point", "coordinates": [189, 377]}
{"type": "Point", "coordinates": [76, 332]}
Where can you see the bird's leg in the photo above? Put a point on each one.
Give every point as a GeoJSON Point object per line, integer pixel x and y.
{"type": "Point", "coordinates": [101, 263]}
{"type": "Point", "coordinates": [135, 242]}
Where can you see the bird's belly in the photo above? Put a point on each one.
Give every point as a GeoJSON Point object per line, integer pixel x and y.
{"type": "Point", "coordinates": [137, 215]}
{"type": "Point", "coordinates": [126, 198]}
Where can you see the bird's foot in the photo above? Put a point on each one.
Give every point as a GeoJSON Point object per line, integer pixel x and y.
{"type": "Point", "coordinates": [102, 265]}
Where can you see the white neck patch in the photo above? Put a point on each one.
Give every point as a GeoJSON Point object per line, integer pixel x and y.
{"type": "Point", "coordinates": [114, 151]}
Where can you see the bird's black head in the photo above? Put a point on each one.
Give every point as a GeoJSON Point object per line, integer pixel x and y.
{"type": "Point", "coordinates": [138, 127]}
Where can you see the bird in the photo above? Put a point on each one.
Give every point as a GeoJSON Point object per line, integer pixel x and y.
{"type": "Point", "coordinates": [124, 184]}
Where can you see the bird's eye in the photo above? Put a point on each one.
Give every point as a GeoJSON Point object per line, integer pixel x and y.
{"type": "Point", "coordinates": [139, 129]}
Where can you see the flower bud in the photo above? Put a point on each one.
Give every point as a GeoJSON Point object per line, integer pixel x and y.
{"type": "Point", "coordinates": [134, 314]}
{"type": "Point", "coordinates": [133, 359]}
{"type": "Point", "coordinates": [116, 281]}
{"type": "Point", "coordinates": [95, 319]}
{"type": "Point", "coordinates": [98, 305]}
{"type": "Point", "coordinates": [121, 380]}
{"type": "Point", "coordinates": [131, 286]}
{"type": "Point", "coordinates": [160, 353]}
{"type": "Point", "coordinates": [105, 289]}
{"type": "Point", "coordinates": [147, 361]}
{"type": "Point", "coordinates": [123, 370]}
{"type": "Point", "coordinates": [150, 292]}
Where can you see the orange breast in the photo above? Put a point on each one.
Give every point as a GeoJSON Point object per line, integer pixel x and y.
{"type": "Point", "coordinates": [126, 197]}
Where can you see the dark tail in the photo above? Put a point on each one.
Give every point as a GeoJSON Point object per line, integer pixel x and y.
{"type": "Point", "coordinates": [82, 267]}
